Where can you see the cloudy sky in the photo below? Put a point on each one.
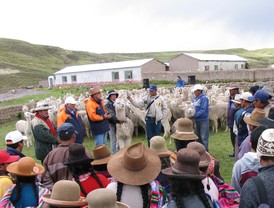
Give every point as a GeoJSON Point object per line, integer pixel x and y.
{"type": "Point", "coordinates": [103, 26]}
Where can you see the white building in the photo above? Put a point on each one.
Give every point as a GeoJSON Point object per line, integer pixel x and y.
{"type": "Point", "coordinates": [114, 72]}
{"type": "Point", "coordinates": [187, 62]}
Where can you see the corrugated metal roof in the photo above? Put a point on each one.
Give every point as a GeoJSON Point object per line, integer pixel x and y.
{"type": "Point", "coordinates": [103, 66]}
{"type": "Point", "coordinates": [215, 57]}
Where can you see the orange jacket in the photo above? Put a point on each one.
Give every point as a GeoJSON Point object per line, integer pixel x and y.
{"type": "Point", "coordinates": [91, 106]}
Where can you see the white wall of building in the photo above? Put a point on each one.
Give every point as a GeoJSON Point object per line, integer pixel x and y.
{"type": "Point", "coordinates": [221, 65]}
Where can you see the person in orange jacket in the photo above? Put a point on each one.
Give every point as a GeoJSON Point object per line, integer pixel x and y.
{"type": "Point", "coordinates": [98, 116]}
{"type": "Point", "coordinates": [69, 114]}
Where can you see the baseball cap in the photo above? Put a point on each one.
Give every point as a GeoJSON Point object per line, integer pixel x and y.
{"type": "Point", "coordinates": [246, 96]}
{"type": "Point", "coordinates": [65, 131]}
{"type": "Point", "coordinates": [261, 95]}
{"type": "Point", "coordinates": [197, 87]}
{"type": "Point", "coordinates": [14, 137]}
{"type": "Point", "coordinates": [70, 100]}
{"type": "Point", "coordinates": [6, 158]}
{"type": "Point", "coordinates": [152, 87]}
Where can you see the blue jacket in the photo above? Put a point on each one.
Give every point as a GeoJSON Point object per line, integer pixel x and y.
{"type": "Point", "coordinates": [13, 151]}
{"type": "Point", "coordinates": [242, 126]}
{"type": "Point", "coordinates": [201, 108]}
{"type": "Point", "coordinates": [180, 83]}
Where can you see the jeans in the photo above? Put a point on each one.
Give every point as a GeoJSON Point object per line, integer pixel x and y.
{"type": "Point", "coordinates": [112, 138]}
{"type": "Point", "coordinates": [152, 128]}
{"type": "Point", "coordinates": [202, 129]}
{"type": "Point", "coordinates": [100, 139]}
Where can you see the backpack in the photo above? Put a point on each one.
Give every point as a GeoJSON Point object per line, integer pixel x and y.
{"type": "Point", "coordinates": [261, 191]}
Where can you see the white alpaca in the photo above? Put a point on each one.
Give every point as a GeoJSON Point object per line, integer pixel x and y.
{"type": "Point", "coordinates": [125, 127]}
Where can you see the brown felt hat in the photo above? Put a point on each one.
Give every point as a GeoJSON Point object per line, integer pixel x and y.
{"type": "Point", "coordinates": [256, 114]}
{"type": "Point", "coordinates": [134, 165]}
{"type": "Point", "coordinates": [184, 130]}
{"type": "Point", "coordinates": [95, 90]}
{"type": "Point", "coordinates": [204, 157]}
{"type": "Point", "coordinates": [186, 166]}
{"type": "Point", "coordinates": [101, 155]}
{"type": "Point", "coordinates": [65, 193]}
{"type": "Point", "coordinates": [26, 166]}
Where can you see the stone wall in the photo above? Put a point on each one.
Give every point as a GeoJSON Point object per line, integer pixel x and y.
{"type": "Point", "coordinates": [9, 112]}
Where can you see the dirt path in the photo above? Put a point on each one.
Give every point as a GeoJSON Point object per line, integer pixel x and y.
{"type": "Point", "coordinates": [18, 93]}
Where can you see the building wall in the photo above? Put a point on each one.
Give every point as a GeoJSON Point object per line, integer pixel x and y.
{"type": "Point", "coordinates": [154, 66]}
{"type": "Point", "coordinates": [183, 63]}
{"type": "Point", "coordinates": [221, 65]}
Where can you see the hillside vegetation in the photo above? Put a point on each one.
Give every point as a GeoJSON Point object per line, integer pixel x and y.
{"type": "Point", "coordinates": [23, 64]}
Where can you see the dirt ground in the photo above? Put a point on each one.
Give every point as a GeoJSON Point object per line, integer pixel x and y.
{"type": "Point", "coordinates": [18, 93]}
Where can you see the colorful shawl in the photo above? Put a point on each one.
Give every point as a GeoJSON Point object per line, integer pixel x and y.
{"type": "Point", "coordinates": [158, 196]}
{"type": "Point", "coordinates": [6, 203]}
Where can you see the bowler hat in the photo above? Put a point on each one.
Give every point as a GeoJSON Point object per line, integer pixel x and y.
{"type": "Point", "coordinates": [77, 155]}
{"type": "Point", "coordinates": [94, 90]}
{"type": "Point", "coordinates": [204, 157]}
{"type": "Point", "coordinates": [158, 145]}
{"type": "Point", "coordinates": [184, 130]}
{"type": "Point", "coordinates": [101, 155]}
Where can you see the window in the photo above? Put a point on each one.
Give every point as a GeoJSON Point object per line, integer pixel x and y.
{"type": "Point", "coordinates": [215, 67]}
{"type": "Point", "coordinates": [115, 76]}
{"type": "Point", "coordinates": [73, 79]}
{"type": "Point", "coordinates": [236, 66]}
{"type": "Point", "coordinates": [64, 80]}
{"type": "Point", "coordinates": [128, 75]}
{"type": "Point", "coordinates": [207, 68]}
{"type": "Point", "coordinates": [242, 66]}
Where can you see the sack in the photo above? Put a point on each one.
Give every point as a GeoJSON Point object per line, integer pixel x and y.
{"type": "Point", "coordinates": [228, 195]}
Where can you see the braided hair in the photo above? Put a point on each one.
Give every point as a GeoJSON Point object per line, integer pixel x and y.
{"type": "Point", "coordinates": [165, 161]}
{"type": "Point", "coordinates": [79, 170]}
{"type": "Point", "coordinates": [144, 191]}
{"type": "Point", "coordinates": [181, 188]}
{"type": "Point", "coordinates": [25, 179]}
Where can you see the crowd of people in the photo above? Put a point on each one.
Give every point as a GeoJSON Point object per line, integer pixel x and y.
{"type": "Point", "coordinates": [142, 175]}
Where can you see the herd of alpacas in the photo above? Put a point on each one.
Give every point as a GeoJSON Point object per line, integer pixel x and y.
{"type": "Point", "coordinates": [179, 102]}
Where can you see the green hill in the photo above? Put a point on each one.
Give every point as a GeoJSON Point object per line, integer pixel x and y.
{"type": "Point", "coordinates": [23, 64]}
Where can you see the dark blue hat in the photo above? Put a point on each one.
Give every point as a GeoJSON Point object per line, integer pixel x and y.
{"type": "Point", "coordinates": [65, 131]}
{"type": "Point", "coordinates": [261, 95]}
{"type": "Point", "coordinates": [153, 87]}
{"type": "Point", "coordinates": [112, 92]}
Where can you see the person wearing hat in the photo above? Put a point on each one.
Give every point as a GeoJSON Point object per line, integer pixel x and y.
{"type": "Point", "coordinates": [269, 120]}
{"type": "Point", "coordinates": [158, 145]}
{"type": "Point", "coordinates": [65, 193]}
{"type": "Point", "coordinates": [111, 97]}
{"type": "Point", "coordinates": [187, 189]}
{"type": "Point", "coordinates": [250, 195]}
{"type": "Point", "coordinates": [251, 121]}
{"type": "Point", "coordinates": [5, 180]}
{"type": "Point", "coordinates": [98, 116]}
{"type": "Point", "coordinates": [261, 100]}
{"type": "Point", "coordinates": [69, 114]}
{"type": "Point", "coordinates": [15, 143]}
{"type": "Point", "coordinates": [53, 163]}
{"type": "Point", "coordinates": [201, 118]}
{"type": "Point", "coordinates": [233, 91]}
{"type": "Point", "coordinates": [43, 131]}
{"type": "Point", "coordinates": [104, 198]}
{"type": "Point", "coordinates": [254, 89]}
{"type": "Point", "coordinates": [180, 82]}
{"type": "Point", "coordinates": [248, 165]}
{"type": "Point", "coordinates": [101, 155]}
{"type": "Point", "coordinates": [26, 192]}
{"type": "Point", "coordinates": [135, 168]}
{"type": "Point", "coordinates": [79, 164]}
{"type": "Point", "coordinates": [242, 128]}
{"type": "Point", "coordinates": [155, 110]}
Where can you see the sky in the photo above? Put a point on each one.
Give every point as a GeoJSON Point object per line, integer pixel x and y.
{"type": "Point", "coordinates": [135, 26]}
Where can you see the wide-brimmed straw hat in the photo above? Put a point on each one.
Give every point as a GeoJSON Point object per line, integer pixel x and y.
{"type": "Point", "coordinates": [104, 198]}
{"type": "Point", "coordinates": [101, 155]}
{"type": "Point", "coordinates": [77, 155]}
{"type": "Point", "coordinates": [26, 166]}
{"type": "Point", "coordinates": [269, 120]}
{"type": "Point", "coordinates": [204, 157]}
{"type": "Point", "coordinates": [65, 193]}
{"type": "Point", "coordinates": [40, 106]}
{"type": "Point", "coordinates": [95, 90]}
{"type": "Point", "coordinates": [256, 114]}
{"type": "Point", "coordinates": [184, 130]}
{"type": "Point", "coordinates": [134, 165]}
{"type": "Point", "coordinates": [186, 166]}
{"type": "Point", "coordinates": [158, 145]}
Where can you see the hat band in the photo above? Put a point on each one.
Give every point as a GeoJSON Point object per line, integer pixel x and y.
{"type": "Point", "coordinates": [272, 120]}
{"type": "Point", "coordinates": [185, 133]}
{"type": "Point", "coordinates": [101, 157]}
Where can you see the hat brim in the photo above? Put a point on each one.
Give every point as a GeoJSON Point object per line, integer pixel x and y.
{"type": "Point", "coordinates": [232, 88]}
{"type": "Point", "coordinates": [13, 168]}
{"type": "Point", "coordinates": [122, 205]}
{"type": "Point", "coordinates": [250, 121]}
{"type": "Point", "coordinates": [80, 203]}
{"type": "Point", "coordinates": [169, 173]}
{"type": "Point", "coordinates": [236, 101]}
{"type": "Point", "coordinates": [266, 122]}
{"type": "Point", "coordinates": [78, 162]}
{"type": "Point", "coordinates": [12, 158]}
{"type": "Point", "coordinates": [133, 177]}
{"type": "Point", "coordinates": [204, 162]}
{"type": "Point", "coordinates": [99, 91]}
{"type": "Point", "coordinates": [101, 161]}
{"type": "Point", "coordinates": [185, 137]}
{"type": "Point", "coordinates": [113, 93]}
{"type": "Point", "coordinates": [164, 154]}
{"type": "Point", "coordinates": [40, 109]}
